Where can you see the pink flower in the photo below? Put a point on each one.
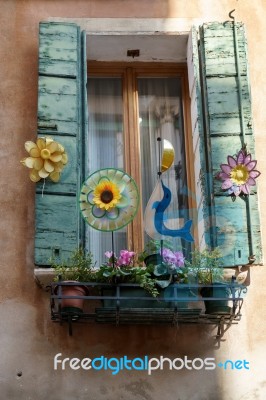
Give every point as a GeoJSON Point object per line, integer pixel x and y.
{"type": "Point", "coordinates": [109, 254]}
{"type": "Point", "coordinates": [177, 258]}
{"type": "Point", "coordinates": [168, 256]}
{"type": "Point", "coordinates": [125, 258]}
{"type": "Point", "coordinates": [239, 174]}
{"type": "Point", "coordinates": [180, 259]}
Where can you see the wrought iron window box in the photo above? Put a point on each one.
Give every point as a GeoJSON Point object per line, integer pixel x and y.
{"type": "Point", "coordinates": [118, 314]}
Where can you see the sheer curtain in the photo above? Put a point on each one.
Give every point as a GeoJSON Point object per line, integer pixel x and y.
{"type": "Point", "coordinates": [160, 116]}
{"type": "Point", "coordinates": [105, 149]}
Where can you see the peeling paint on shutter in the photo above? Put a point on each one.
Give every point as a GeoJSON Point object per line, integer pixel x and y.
{"type": "Point", "coordinates": [58, 221]}
{"type": "Point", "coordinates": [201, 223]}
{"type": "Point", "coordinates": [231, 228]}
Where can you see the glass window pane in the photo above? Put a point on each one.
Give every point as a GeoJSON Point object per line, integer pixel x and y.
{"type": "Point", "coordinates": [105, 149]}
{"type": "Point", "coordinates": [160, 116]}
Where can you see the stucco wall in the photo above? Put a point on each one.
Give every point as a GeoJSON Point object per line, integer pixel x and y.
{"type": "Point", "coordinates": [29, 340]}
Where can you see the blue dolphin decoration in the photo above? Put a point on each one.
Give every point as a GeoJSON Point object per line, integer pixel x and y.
{"type": "Point", "coordinates": [160, 207]}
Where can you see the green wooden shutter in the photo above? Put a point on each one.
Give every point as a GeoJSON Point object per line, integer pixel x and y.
{"type": "Point", "coordinates": [60, 116]}
{"type": "Point", "coordinates": [225, 110]}
{"type": "Point", "coordinates": [201, 214]}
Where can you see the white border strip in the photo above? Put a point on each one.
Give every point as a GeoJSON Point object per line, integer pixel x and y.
{"type": "Point", "coordinates": [136, 26]}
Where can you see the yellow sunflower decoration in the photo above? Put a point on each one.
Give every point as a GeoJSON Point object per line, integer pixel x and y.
{"type": "Point", "coordinates": [109, 199]}
{"type": "Point", "coordinates": [106, 195]}
{"type": "Point", "coordinates": [47, 159]}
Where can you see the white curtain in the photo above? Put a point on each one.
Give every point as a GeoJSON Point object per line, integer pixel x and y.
{"type": "Point", "coordinates": [160, 116]}
{"type": "Point", "coordinates": [105, 148]}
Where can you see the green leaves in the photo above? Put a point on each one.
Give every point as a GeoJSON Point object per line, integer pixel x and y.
{"type": "Point", "coordinates": [205, 266]}
{"type": "Point", "coordinates": [160, 269]}
{"type": "Point", "coordinates": [79, 267]}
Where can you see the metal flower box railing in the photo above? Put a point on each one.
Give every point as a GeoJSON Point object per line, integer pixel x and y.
{"type": "Point", "coordinates": [114, 307]}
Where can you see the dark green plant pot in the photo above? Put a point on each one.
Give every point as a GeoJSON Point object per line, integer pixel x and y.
{"type": "Point", "coordinates": [153, 259]}
{"type": "Point", "coordinates": [133, 302]}
{"type": "Point", "coordinates": [216, 306]}
{"type": "Point", "coordinates": [183, 293]}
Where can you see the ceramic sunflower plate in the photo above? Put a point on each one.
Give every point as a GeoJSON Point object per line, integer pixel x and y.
{"type": "Point", "coordinates": [109, 199]}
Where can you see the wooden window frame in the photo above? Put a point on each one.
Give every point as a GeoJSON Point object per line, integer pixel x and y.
{"type": "Point", "coordinates": [129, 72]}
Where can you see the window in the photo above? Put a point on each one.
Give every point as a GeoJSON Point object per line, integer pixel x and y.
{"type": "Point", "coordinates": [219, 126]}
{"type": "Point", "coordinates": [130, 108]}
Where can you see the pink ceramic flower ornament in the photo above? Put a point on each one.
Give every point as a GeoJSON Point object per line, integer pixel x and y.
{"type": "Point", "coordinates": [239, 174]}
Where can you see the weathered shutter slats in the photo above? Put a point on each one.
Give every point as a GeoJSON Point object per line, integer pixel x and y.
{"type": "Point", "coordinates": [197, 135]}
{"type": "Point", "coordinates": [59, 116]}
{"type": "Point", "coordinates": [58, 101]}
{"type": "Point", "coordinates": [223, 105]}
{"type": "Point", "coordinates": [231, 228]}
{"type": "Point", "coordinates": [56, 232]}
{"type": "Point", "coordinates": [219, 49]}
{"type": "Point", "coordinates": [83, 142]}
{"type": "Point", "coordinates": [58, 44]}
{"type": "Point", "coordinates": [69, 177]}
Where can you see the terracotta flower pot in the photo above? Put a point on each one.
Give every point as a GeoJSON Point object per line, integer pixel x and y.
{"type": "Point", "coordinates": [72, 305]}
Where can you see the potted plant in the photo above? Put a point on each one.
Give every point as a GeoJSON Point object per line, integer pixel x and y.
{"type": "Point", "coordinates": [155, 280]}
{"type": "Point", "coordinates": [123, 269]}
{"type": "Point", "coordinates": [172, 270]}
{"type": "Point", "coordinates": [78, 268]}
{"type": "Point", "coordinates": [151, 254]}
{"type": "Point", "coordinates": [205, 268]}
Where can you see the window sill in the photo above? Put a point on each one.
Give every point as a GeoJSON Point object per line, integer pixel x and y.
{"type": "Point", "coordinates": [44, 276]}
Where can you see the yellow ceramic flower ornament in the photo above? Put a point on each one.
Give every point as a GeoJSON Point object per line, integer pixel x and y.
{"type": "Point", "coordinates": [47, 159]}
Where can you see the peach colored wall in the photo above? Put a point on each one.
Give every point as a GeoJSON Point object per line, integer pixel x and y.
{"type": "Point", "coordinates": [29, 340]}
